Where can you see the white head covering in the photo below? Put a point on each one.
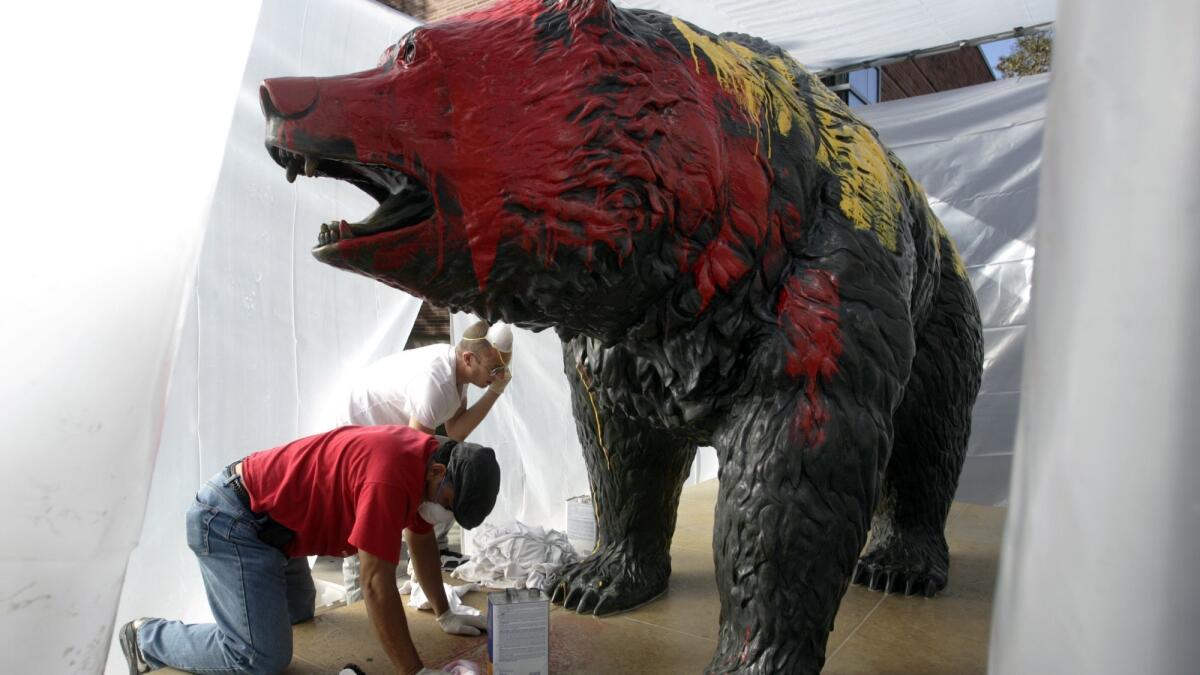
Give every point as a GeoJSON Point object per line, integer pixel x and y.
{"type": "Point", "coordinates": [501, 337]}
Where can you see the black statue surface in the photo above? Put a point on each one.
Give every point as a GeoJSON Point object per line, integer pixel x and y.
{"type": "Point", "coordinates": [730, 257]}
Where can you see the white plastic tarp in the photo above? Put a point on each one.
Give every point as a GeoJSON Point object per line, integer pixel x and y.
{"type": "Point", "coordinates": [269, 332]}
{"type": "Point", "coordinates": [113, 141]}
{"type": "Point", "coordinates": [1098, 570]}
{"type": "Point", "coordinates": [822, 34]}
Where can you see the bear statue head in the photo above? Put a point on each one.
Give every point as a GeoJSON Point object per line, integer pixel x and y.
{"type": "Point", "coordinates": [546, 163]}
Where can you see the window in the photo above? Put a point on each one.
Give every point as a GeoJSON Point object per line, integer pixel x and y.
{"type": "Point", "coordinates": [857, 88]}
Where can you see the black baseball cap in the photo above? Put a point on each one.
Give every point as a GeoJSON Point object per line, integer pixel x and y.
{"type": "Point", "coordinates": [475, 475]}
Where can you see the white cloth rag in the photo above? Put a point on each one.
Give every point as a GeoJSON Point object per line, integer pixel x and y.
{"type": "Point", "coordinates": [515, 556]}
{"type": "Point", "coordinates": [418, 600]}
{"type": "Point", "coordinates": [462, 667]}
{"type": "Point", "coordinates": [459, 667]}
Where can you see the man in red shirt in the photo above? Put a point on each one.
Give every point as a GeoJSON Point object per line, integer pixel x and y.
{"type": "Point", "coordinates": [344, 491]}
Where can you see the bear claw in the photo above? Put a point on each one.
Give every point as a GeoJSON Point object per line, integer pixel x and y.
{"type": "Point", "coordinates": [890, 569]}
{"type": "Point", "coordinates": [609, 581]}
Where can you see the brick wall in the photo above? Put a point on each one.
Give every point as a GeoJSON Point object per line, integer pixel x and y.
{"type": "Point", "coordinates": [432, 10]}
{"type": "Point", "coordinates": [440, 9]}
{"type": "Point", "coordinates": [432, 327]}
{"type": "Point", "coordinates": [939, 72]}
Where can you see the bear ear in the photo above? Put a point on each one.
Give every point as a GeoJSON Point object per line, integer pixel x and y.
{"type": "Point", "coordinates": [582, 10]}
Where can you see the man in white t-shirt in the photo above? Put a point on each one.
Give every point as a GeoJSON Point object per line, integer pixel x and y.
{"type": "Point", "coordinates": [425, 388]}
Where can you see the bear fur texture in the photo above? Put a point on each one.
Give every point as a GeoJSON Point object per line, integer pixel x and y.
{"type": "Point", "coordinates": [731, 258]}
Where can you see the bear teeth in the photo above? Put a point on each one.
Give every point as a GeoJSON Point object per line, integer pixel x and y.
{"type": "Point", "coordinates": [332, 233]}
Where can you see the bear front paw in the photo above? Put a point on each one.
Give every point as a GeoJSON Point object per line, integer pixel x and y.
{"type": "Point", "coordinates": [612, 579]}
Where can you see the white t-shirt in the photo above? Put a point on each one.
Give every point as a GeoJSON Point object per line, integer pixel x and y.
{"type": "Point", "coordinates": [415, 383]}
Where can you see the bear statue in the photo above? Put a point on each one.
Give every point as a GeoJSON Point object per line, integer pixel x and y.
{"type": "Point", "coordinates": [730, 257]}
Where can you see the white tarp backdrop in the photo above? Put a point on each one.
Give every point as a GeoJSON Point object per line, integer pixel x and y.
{"type": "Point", "coordinates": [1098, 571]}
{"type": "Point", "coordinates": [113, 141]}
{"type": "Point", "coordinates": [268, 332]}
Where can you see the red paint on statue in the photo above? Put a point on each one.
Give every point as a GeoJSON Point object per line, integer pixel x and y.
{"type": "Point", "coordinates": [808, 314]}
{"type": "Point", "coordinates": [570, 141]}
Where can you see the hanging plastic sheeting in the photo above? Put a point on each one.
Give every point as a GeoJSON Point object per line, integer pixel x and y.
{"type": "Point", "coordinates": [822, 34]}
{"type": "Point", "coordinates": [106, 202]}
{"type": "Point", "coordinates": [269, 330]}
{"type": "Point", "coordinates": [977, 153]}
{"type": "Point", "coordinates": [1098, 571]}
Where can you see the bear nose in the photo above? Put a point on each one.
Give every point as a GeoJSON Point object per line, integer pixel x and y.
{"type": "Point", "coordinates": [288, 97]}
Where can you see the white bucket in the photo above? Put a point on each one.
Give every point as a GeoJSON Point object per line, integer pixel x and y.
{"type": "Point", "coordinates": [581, 524]}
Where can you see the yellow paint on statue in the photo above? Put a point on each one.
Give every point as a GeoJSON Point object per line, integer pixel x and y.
{"type": "Point", "coordinates": [763, 85]}
{"type": "Point", "coordinates": [922, 201]}
{"type": "Point", "coordinates": [852, 153]}
{"type": "Point", "coordinates": [766, 88]}
{"type": "Point", "coordinates": [596, 411]}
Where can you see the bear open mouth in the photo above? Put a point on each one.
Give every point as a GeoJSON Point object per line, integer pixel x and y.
{"type": "Point", "coordinates": [403, 200]}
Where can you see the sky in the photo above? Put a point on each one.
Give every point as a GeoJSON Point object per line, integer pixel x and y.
{"type": "Point", "coordinates": [993, 51]}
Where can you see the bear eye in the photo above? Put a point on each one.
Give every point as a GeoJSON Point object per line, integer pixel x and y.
{"type": "Point", "coordinates": [409, 52]}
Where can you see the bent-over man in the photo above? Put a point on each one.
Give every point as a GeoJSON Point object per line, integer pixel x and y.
{"type": "Point", "coordinates": [353, 489]}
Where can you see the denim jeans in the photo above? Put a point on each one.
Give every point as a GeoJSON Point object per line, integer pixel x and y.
{"type": "Point", "coordinates": [256, 593]}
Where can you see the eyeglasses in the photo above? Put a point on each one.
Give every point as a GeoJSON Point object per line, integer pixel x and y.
{"type": "Point", "coordinates": [500, 368]}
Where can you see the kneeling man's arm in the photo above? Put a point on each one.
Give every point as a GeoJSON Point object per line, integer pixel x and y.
{"type": "Point", "coordinates": [427, 564]}
{"type": "Point", "coordinates": [386, 611]}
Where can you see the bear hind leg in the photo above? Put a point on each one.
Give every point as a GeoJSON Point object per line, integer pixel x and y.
{"type": "Point", "coordinates": [907, 550]}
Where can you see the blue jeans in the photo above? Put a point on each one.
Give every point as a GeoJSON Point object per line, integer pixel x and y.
{"type": "Point", "coordinates": [255, 591]}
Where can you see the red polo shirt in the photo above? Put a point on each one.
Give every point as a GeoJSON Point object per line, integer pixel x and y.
{"type": "Point", "coordinates": [347, 489]}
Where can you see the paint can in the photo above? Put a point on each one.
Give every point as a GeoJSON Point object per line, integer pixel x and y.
{"type": "Point", "coordinates": [581, 524]}
{"type": "Point", "coordinates": [518, 632]}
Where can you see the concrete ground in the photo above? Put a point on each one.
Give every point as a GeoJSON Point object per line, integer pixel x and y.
{"type": "Point", "coordinates": [874, 633]}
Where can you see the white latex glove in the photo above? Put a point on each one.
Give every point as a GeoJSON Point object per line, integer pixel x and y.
{"type": "Point", "coordinates": [497, 386]}
{"type": "Point", "coordinates": [462, 624]}
{"type": "Point", "coordinates": [462, 667]}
